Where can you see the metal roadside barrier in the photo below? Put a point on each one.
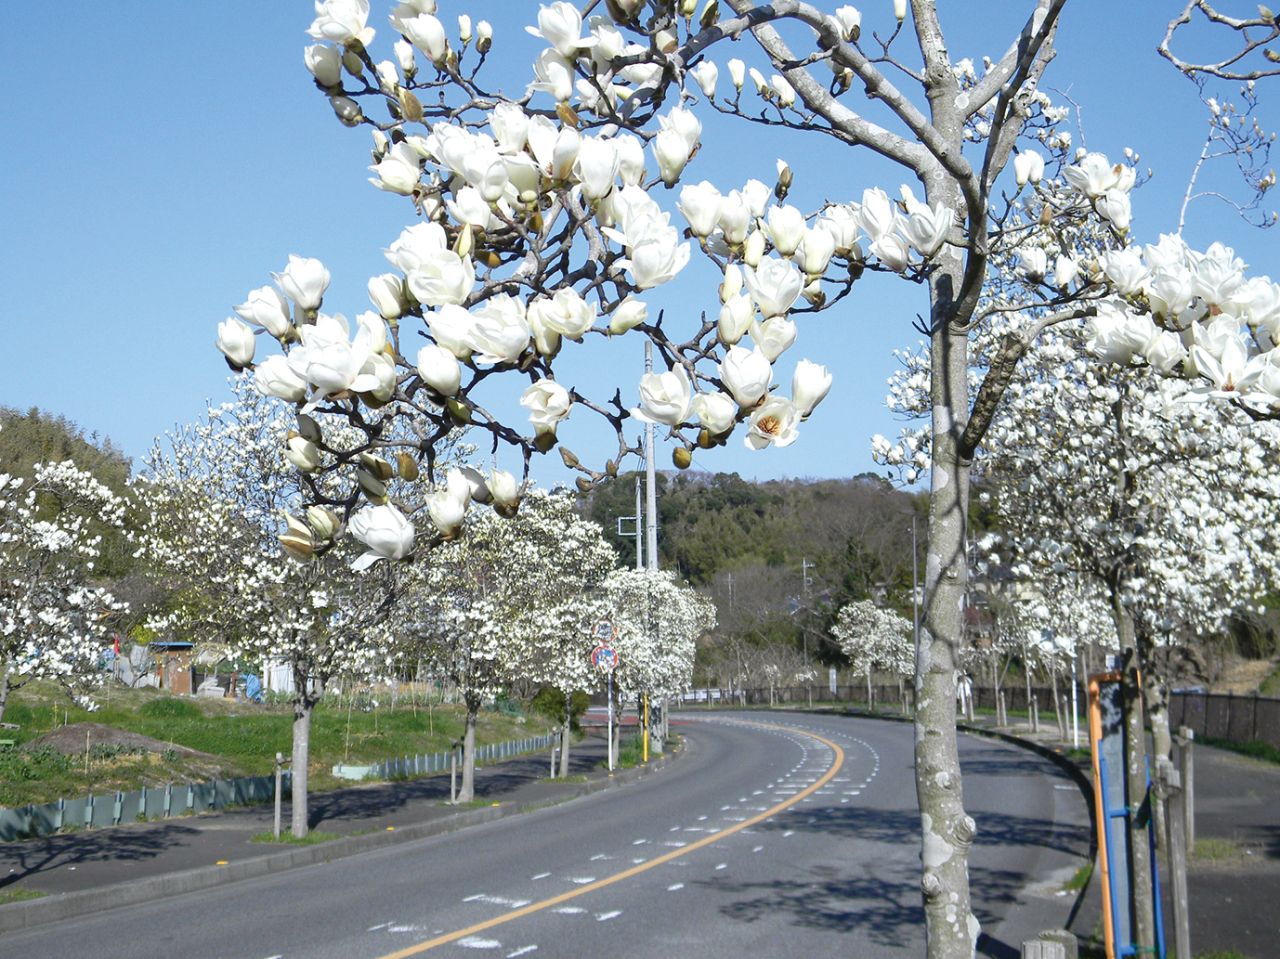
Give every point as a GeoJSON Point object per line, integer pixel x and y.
{"type": "Point", "coordinates": [166, 802]}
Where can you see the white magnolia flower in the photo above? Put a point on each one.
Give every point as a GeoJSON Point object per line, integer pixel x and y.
{"type": "Point", "coordinates": [773, 421]}
{"type": "Point", "coordinates": [665, 397]}
{"type": "Point", "coordinates": [548, 403]}
{"type": "Point", "coordinates": [1028, 167]}
{"type": "Point", "coordinates": [267, 307]}
{"type": "Point", "coordinates": [561, 26]}
{"type": "Point", "coordinates": [385, 530]}
{"type": "Point", "coordinates": [705, 74]}
{"type": "Point", "coordinates": [325, 64]}
{"type": "Point", "coordinates": [341, 21]}
{"type": "Point", "coordinates": [275, 377]}
{"type": "Point", "coordinates": [439, 369]}
{"type": "Point", "coordinates": [746, 374]}
{"type": "Point", "coordinates": [717, 412]}
{"type": "Point", "coordinates": [304, 281]}
{"type": "Point", "coordinates": [774, 336]}
{"type": "Point", "coordinates": [701, 205]}
{"type": "Point", "coordinates": [735, 318]}
{"type": "Point", "coordinates": [809, 386]}
{"type": "Point", "coordinates": [236, 343]}
{"type": "Point", "coordinates": [398, 171]}
{"type": "Point", "coordinates": [774, 285]}
{"type": "Point", "coordinates": [786, 229]}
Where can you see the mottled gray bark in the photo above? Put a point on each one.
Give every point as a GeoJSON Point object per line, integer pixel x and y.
{"type": "Point", "coordinates": [467, 790]}
{"type": "Point", "coordinates": [303, 706]}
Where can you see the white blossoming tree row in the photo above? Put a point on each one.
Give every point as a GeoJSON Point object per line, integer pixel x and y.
{"type": "Point", "coordinates": [218, 495]}
{"type": "Point", "coordinates": [55, 617]}
{"type": "Point", "coordinates": [539, 227]}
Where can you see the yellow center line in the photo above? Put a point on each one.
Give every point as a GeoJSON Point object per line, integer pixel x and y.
{"type": "Point", "coordinates": [636, 870]}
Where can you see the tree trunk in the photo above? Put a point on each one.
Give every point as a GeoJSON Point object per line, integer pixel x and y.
{"type": "Point", "coordinates": [467, 791]}
{"type": "Point", "coordinates": [1156, 697]}
{"type": "Point", "coordinates": [565, 733]}
{"type": "Point", "coordinates": [871, 698]}
{"type": "Point", "coordinates": [304, 703]}
{"type": "Point", "coordinates": [4, 691]}
{"type": "Point", "coordinates": [1140, 876]}
{"type": "Point", "coordinates": [947, 830]}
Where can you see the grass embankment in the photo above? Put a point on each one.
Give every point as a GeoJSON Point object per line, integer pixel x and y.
{"type": "Point", "coordinates": [243, 737]}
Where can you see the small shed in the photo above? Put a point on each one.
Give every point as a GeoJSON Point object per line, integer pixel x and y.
{"type": "Point", "coordinates": [173, 666]}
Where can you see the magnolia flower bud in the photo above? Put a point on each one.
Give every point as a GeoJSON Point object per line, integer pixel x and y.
{"type": "Point", "coordinates": [732, 284]}
{"type": "Point", "coordinates": [484, 37]}
{"type": "Point", "coordinates": [404, 57]}
{"type": "Point", "coordinates": [297, 539]}
{"type": "Point", "coordinates": [629, 314]}
{"type": "Point", "coordinates": [407, 466]}
{"type": "Point", "coordinates": [464, 29]}
{"type": "Point", "coordinates": [737, 72]}
{"type": "Point", "coordinates": [354, 65]}
{"type": "Point", "coordinates": [323, 522]}
{"type": "Point", "coordinates": [710, 15]}
{"type": "Point", "coordinates": [753, 249]}
{"type": "Point", "coordinates": [900, 9]}
{"type": "Point", "coordinates": [377, 466]}
{"type": "Point", "coordinates": [303, 454]}
{"type": "Point", "coordinates": [308, 428]}
{"type": "Point", "coordinates": [681, 457]}
{"type": "Point", "coordinates": [347, 110]}
{"type": "Point", "coordinates": [783, 186]}
{"type": "Point", "coordinates": [375, 491]}
{"type": "Point", "coordinates": [236, 343]}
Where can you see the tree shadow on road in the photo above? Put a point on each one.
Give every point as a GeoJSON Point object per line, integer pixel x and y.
{"type": "Point", "coordinates": [22, 860]}
{"type": "Point", "coordinates": [902, 827]}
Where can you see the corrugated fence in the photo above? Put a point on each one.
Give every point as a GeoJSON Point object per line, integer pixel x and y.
{"type": "Point", "coordinates": [163, 802]}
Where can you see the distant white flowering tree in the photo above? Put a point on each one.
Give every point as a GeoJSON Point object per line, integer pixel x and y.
{"type": "Point", "coordinates": [540, 228]}
{"type": "Point", "coordinates": [507, 598]}
{"type": "Point", "coordinates": [874, 639]}
{"type": "Point", "coordinates": [54, 619]}
{"type": "Point", "coordinates": [225, 496]}
{"type": "Point", "coordinates": [659, 621]}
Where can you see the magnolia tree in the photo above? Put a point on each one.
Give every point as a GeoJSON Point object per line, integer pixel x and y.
{"type": "Point", "coordinates": [1168, 505]}
{"type": "Point", "coordinates": [1195, 329]}
{"type": "Point", "coordinates": [539, 227]}
{"type": "Point", "coordinates": [507, 598]}
{"type": "Point", "coordinates": [566, 563]}
{"type": "Point", "coordinates": [874, 639]}
{"type": "Point", "coordinates": [659, 622]}
{"type": "Point", "coordinates": [225, 496]}
{"type": "Point", "coordinates": [53, 618]}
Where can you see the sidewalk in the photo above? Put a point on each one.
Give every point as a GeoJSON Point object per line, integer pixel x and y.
{"type": "Point", "coordinates": [1234, 897]}
{"type": "Point", "coordinates": [92, 870]}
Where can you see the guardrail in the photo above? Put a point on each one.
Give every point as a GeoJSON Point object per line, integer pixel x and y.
{"type": "Point", "coordinates": [164, 802]}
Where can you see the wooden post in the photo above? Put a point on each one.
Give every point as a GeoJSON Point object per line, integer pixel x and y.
{"type": "Point", "coordinates": [1186, 760]}
{"type": "Point", "coordinates": [1169, 782]}
{"type": "Point", "coordinates": [275, 822]}
{"type": "Point", "coordinates": [453, 775]}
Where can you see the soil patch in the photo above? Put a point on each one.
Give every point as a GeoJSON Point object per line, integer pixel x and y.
{"type": "Point", "coordinates": [70, 741]}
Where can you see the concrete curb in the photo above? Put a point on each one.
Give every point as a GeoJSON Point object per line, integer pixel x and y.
{"type": "Point", "coordinates": [37, 912]}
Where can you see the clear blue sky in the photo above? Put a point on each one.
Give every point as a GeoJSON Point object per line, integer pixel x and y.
{"type": "Point", "coordinates": [160, 159]}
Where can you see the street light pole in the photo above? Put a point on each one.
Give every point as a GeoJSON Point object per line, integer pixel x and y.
{"type": "Point", "coordinates": [915, 585]}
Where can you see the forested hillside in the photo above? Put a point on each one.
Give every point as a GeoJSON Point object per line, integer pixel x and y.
{"type": "Point", "coordinates": [778, 558]}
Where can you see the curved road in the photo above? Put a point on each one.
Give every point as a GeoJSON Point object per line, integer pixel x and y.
{"type": "Point", "coordinates": [773, 835]}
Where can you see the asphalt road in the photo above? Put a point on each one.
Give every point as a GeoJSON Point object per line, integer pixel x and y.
{"type": "Point", "coordinates": [772, 836]}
